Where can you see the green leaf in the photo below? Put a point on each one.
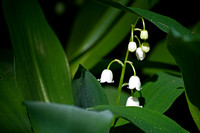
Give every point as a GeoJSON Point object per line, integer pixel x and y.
{"type": "Point", "coordinates": [41, 67]}
{"type": "Point", "coordinates": [58, 118]}
{"type": "Point", "coordinates": [185, 49]}
{"type": "Point", "coordinates": [113, 31]}
{"type": "Point", "coordinates": [162, 22]}
{"type": "Point", "coordinates": [100, 19]}
{"type": "Point", "coordinates": [87, 90]}
{"type": "Point", "coordinates": [145, 119]}
{"type": "Point", "coordinates": [13, 114]}
{"type": "Point", "coordinates": [161, 91]}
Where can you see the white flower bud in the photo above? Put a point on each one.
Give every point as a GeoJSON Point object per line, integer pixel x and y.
{"type": "Point", "coordinates": [145, 47]}
{"type": "Point", "coordinates": [132, 46]}
{"type": "Point", "coordinates": [140, 54]}
{"type": "Point", "coordinates": [134, 83]}
{"type": "Point", "coordinates": [133, 101]}
{"type": "Point", "coordinates": [106, 76]}
{"type": "Point", "coordinates": [144, 35]}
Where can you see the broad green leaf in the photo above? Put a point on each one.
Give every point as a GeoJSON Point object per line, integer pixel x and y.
{"type": "Point", "coordinates": [146, 119]}
{"type": "Point", "coordinates": [41, 67]}
{"type": "Point", "coordinates": [185, 49]}
{"type": "Point", "coordinates": [161, 91]}
{"type": "Point", "coordinates": [13, 114]}
{"type": "Point", "coordinates": [117, 29]}
{"type": "Point", "coordinates": [87, 90]}
{"type": "Point", "coordinates": [58, 118]}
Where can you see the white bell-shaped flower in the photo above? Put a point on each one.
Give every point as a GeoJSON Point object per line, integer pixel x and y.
{"type": "Point", "coordinates": [140, 54]}
{"type": "Point", "coordinates": [133, 101]}
{"type": "Point", "coordinates": [144, 35]}
{"type": "Point", "coordinates": [134, 83]}
{"type": "Point", "coordinates": [106, 76]}
{"type": "Point", "coordinates": [145, 47]}
{"type": "Point", "coordinates": [132, 46]}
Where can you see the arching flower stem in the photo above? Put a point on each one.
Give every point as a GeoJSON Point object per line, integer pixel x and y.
{"type": "Point", "coordinates": [131, 63]}
{"type": "Point", "coordinates": [115, 60]}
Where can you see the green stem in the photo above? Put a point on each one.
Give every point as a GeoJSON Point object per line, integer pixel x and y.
{"type": "Point", "coordinates": [138, 41]}
{"type": "Point", "coordinates": [143, 23]}
{"type": "Point", "coordinates": [124, 65]}
{"type": "Point", "coordinates": [121, 79]}
{"type": "Point", "coordinates": [132, 30]}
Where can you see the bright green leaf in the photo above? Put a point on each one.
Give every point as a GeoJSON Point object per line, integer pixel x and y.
{"type": "Point", "coordinates": [41, 67]}
{"type": "Point", "coordinates": [87, 90]}
{"type": "Point", "coordinates": [58, 118]}
{"type": "Point", "coordinates": [13, 114]}
{"type": "Point", "coordinates": [185, 49]}
{"type": "Point", "coordinates": [161, 91]}
{"type": "Point", "coordinates": [145, 119]}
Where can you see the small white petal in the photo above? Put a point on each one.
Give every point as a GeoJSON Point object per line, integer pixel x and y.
{"type": "Point", "coordinates": [144, 35]}
{"type": "Point", "coordinates": [132, 46]}
{"type": "Point", "coordinates": [145, 47]}
{"type": "Point", "coordinates": [134, 83]}
{"type": "Point", "coordinates": [106, 76]}
{"type": "Point", "coordinates": [140, 54]}
{"type": "Point", "coordinates": [133, 101]}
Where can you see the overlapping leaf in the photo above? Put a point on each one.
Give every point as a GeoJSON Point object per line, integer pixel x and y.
{"type": "Point", "coordinates": [13, 114]}
{"type": "Point", "coordinates": [58, 118]}
{"type": "Point", "coordinates": [185, 49]}
{"type": "Point", "coordinates": [145, 119]}
{"type": "Point", "coordinates": [87, 90]}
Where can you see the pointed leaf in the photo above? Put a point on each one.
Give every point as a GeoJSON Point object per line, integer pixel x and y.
{"type": "Point", "coordinates": [87, 90]}
{"type": "Point", "coordinates": [13, 114]}
{"type": "Point", "coordinates": [58, 118]}
{"type": "Point", "coordinates": [145, 119]}
{"type": "Point", "coordinates": [41, 67]}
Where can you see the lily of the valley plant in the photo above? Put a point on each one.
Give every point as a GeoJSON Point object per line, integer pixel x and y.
{"type": "Point", "coordinates": [134, 81]}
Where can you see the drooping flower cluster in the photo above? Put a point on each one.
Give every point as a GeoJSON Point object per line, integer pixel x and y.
{"type": "Point", "coordinates": [134, 81]}
{"type": "Point", "coordinates": [144, 47]}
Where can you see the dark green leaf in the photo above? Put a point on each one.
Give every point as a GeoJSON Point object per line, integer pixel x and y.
{"type": "Point", "coordinates": [13, 114]}
{"type": "Point", "coordinates": [185, 49]}
{"type": "Point", "coordinates": [7, 63]}
{"type": "Point", "coordinates": [162, 22]}
{"type": "Point", "coordinates": [41, 67]}
{"type": "Point", "coordinates": [145, 119]}
{"type": "Point", "coordinates": [161, 91]}
{"type": "Point", "coordinates": [58, 118]}
{"type": "Point", "coordinates": [108, 34]}
{"type": "Point", "coordinates": [87, 90]}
